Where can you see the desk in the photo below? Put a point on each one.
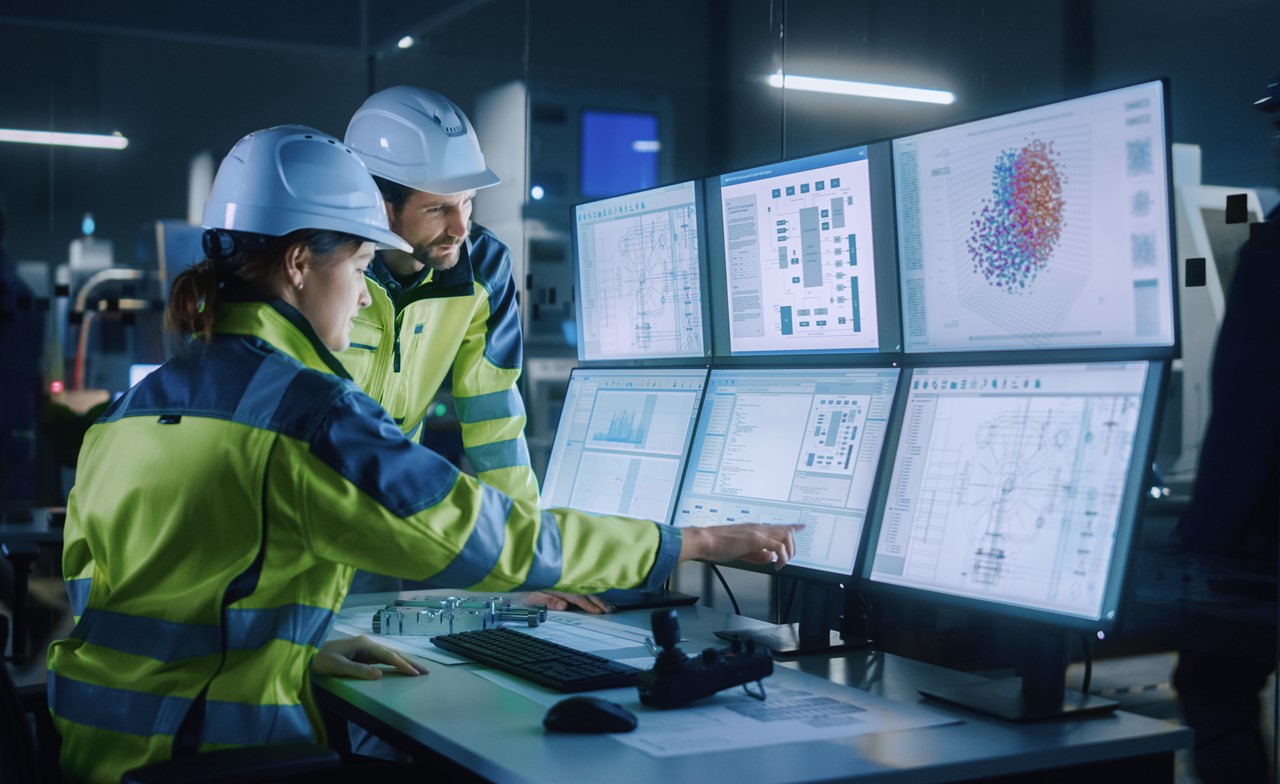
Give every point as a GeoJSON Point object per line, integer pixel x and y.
{"type": "Point", "coordinates": [498, 734]}
{"type": "Point", "coordinates": [38, 529]}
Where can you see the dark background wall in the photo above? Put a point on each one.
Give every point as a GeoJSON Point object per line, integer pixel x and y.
{"type": "Point", "coordinates": [179, 79]}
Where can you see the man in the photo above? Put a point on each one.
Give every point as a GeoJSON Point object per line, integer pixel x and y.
{"type": "Point", "coordinates": [1227, 646]}
{"type": "Point", "coordinates": [448, 309]}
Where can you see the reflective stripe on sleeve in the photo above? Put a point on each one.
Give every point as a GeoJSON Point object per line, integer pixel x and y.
{"type": "Point", "coordinates": [78, 594]}
{"type": "Point", "coordinates": [483, 548]}
{"type": "Point", "coordinates": [500, 454]}
{"type": "Point", "coordinates": [483, 408]}
{"type": "Point", "coordinates": [547, 556]}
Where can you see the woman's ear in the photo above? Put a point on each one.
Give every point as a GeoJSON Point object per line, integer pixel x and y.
{"type": "Point", "coordinates": [297, 263]}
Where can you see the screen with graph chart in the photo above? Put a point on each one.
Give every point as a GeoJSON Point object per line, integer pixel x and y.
{"type": "Point", "coordinates": [639, 264]}
{"type": "Point", "coordinates": [1016, 486]}
{"type": "Point", "coordinates": [807, 257]}
{"type": "Point", "coordinates": [1044, 228]}
{"type": "Point", "coordinates": [791, 446]}
{"type": "Point", "coordinates": [622, 441]}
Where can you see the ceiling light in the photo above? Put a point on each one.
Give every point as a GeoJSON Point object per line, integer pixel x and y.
{"type": "Point", "coordinates": [406, 42]}
{"type": "Point", "coordinates": [646, 145]}
{"type": "Point", "coordinates": [861, 89]}
{"type": "Point", "coordinates": [113, 142]}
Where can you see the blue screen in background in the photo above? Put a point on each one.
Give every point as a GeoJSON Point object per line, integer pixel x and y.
{"type": "Point", "coordinates": [619, 152]}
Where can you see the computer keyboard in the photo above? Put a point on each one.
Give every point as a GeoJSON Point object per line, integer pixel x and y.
{"type": "Point", "coordinates": [541, 661]}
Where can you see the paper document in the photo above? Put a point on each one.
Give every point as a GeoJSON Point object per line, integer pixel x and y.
{"type": "Point", "coordinates": [799, 708]}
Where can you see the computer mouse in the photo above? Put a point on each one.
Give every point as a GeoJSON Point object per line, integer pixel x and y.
{"type": "Point", "coordinates": [588, 714]}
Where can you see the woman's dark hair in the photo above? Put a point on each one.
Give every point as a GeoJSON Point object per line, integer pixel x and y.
{"type": "Point", "coordinates": [194, 294]}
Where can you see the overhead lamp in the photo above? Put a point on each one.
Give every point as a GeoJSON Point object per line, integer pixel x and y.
{"type": "Point", "coordinates": [646, 146]}
{"type": "Point", "coordinates": [115, 141]}
{"type": "Point", "coordinates": [862, 89]}
{"type": "Point", "coordinates": [406, 42]}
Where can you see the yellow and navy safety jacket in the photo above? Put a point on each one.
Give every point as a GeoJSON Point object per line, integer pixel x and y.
{"type": "Point", "coordinates": [463, 321]}
{"type": "Point", "coordinates": [220, 508]}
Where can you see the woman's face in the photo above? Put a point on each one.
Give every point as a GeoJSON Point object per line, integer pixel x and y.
{"type": "Point", "coordinates": [332, 292]}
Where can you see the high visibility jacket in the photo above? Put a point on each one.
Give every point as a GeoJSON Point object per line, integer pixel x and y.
{"type": "Point", "coordinates": [219, 511]}
{"type": "Point", "coordinates": [463, 319]}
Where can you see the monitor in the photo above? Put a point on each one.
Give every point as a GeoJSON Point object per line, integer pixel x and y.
{"type": "Point", "coordinates": [623, 438]}
{"type": "Point", "coordinates": [639, 262]}
{"type": "Point", "coordinates": [804, 256]}
{"type": "Point", "coordinates": [620, 152]}
{"type": "Point", "coordinates": [1044, 228]}
{"type": "Point", "coordinates": [1015, 490]}
{"type": "Point", "coordinates": [798, 445]}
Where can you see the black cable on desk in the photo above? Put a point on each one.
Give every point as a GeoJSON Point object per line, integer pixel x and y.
{"type": "Point", "coordinates": [732, 600]}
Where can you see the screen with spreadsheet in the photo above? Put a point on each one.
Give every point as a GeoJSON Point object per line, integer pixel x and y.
{"type": "Point", "coordinates": [1016, 487]}
{"type": "Point", "coordinates": [1043, 228]}
{"type": "Point", "coordinates": [639, 262]}
{"type": "Point", "coordinates": [791, 446]}
{"type": "Point", "coordinates": [622, 441]}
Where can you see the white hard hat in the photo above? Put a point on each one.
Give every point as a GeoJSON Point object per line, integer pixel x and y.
{"type": "Point", "coordinates": [420, 139]}
{"type": "Point", "coordinates": [293, 177]}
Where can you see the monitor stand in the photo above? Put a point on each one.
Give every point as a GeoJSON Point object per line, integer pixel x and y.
{"type": "Point", "coordinates": [636, 599]}
{"type": "Point", "coordinates": [812, 634]}
{"type": "Point", "coordinates": [1040, 693]}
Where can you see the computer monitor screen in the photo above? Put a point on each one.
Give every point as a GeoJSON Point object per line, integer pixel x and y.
{"type": "Point", "coordinates": [619, 152]}
{"type": "Point", "coordinates": [807, 258]}
{"type": "Point", "coordinates": [622, 441]}
{"type": "Point", "coordinates": [639, 264]}
{"type": "Point", "coordinates": [1044, 228]}
{"type": "Point", "coordinates": [1014, 488]}
{"type": "Point", "coordinates": [791, 446]}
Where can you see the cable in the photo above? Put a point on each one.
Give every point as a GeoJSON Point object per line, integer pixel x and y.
{"type": "Point", "coordinates": [1088, 663]}
{"type": "Point", "coordinates": [732, 600]}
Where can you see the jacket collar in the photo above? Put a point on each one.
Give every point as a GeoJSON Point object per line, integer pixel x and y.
{"type": "Point", "coordinates": [461, 274]}
{"type": "Point", "coordinates": [281, 325]}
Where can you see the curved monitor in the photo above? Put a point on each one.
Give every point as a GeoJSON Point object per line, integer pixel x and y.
{"type": "Point", "coordinates": [623, 439]}
{"type": "Point", "coordinates": [805, 263]}
{"type": "Point", "coordinates": [1015, 488]}
{"type": "Point", "coordinates": [797, 445]}
{"type": "Point", "coordinates": [1044, 228]}
{"type": "Point", "coordinates": [639, 261]}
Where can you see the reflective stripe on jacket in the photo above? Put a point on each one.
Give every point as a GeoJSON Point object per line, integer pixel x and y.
{"type": "Point", "coordinates": [220, 508]}
{"type": "Point", "coordinates": [463, 320]}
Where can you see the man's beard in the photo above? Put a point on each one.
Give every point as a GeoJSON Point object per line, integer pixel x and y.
{"type": "Point", "coordinates": [436, 257]}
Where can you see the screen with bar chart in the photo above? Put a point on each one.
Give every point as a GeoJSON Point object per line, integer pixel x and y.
{"type": "Point", "coordinates": [622, 441]}
{"type": "Point", "coordinates": [791, 446]}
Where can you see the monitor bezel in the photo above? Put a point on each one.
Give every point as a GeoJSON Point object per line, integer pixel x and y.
{"type": "Point", "coordinates": [1116, 591]}
{"type": "Point", "coordinates": [663, 360]}
{"type": "Point", "coordinates": [1152, 352]}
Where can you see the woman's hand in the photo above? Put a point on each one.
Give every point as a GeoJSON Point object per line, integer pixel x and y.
{"type": "Point", "coordinates": [355, 657]}
{"type": "Point", "coordinates": [750, 542]}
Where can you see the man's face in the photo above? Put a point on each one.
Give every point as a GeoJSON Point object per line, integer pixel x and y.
{"type": "Point", "coordinates": [434, 225]}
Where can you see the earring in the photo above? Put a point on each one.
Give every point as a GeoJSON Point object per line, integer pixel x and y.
{"type": "Point", "coordinates": [299, 286]}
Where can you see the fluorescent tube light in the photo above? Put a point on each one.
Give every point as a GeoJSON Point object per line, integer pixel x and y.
{"type": "Point", "coordinates": [862, 89]}
{"type": "Point", "coordinates": [101, 141]}
{"type": "Point", "coordinates": [646, 145]}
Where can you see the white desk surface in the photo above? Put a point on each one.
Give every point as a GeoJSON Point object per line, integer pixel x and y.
{"type": "Point", "coordinates": [499, 735]}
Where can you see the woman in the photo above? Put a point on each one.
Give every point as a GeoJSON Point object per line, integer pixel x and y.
{"type": "Point", "coordinates": [222, 505]}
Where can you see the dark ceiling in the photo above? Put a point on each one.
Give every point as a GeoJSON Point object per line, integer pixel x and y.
{"type": "Point", "coordinates": [335, 25]}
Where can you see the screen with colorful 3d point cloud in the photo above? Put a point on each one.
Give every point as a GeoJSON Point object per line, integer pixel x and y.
{"type": "Point", "coordinates": [1043, 228]}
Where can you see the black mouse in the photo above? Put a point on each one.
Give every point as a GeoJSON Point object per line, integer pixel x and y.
{"type": "Point", "coordinates": [588, 714]}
